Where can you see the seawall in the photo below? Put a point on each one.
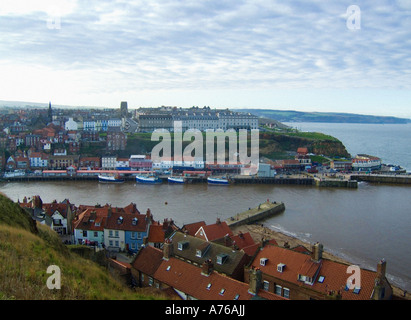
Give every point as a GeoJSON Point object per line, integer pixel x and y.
{"type": "Point", "coordinates": [264, 210]}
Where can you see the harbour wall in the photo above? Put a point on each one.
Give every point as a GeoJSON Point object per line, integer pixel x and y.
{"type": "Point", "coordinates": [263, 211]}
{"type": "Point", "coordinates": [389, 178]}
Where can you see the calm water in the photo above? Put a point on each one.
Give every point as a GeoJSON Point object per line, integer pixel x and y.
{"type": "Point", "coordinates": [390, 142]}
{"type": "Point", "coordinates": [361, 225]}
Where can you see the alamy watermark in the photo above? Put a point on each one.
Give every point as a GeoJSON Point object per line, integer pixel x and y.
{"type": "Point", "coordinates": [238, 151]}
{"type": "Point", "coordinates": [353, 15]}
{"type": "Point", "coordinates": [54, 281]}
{"type": "Point", "coordinates": [54, 19]}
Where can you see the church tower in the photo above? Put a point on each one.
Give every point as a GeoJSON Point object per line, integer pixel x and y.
{"type": "Point", "coordinates": [50, 114]}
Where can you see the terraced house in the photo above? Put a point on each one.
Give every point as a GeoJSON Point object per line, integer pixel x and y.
{"type": "Point", "coordinates": [119, 229]}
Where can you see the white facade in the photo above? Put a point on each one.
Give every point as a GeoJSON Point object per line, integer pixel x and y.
{"type": "Point", "coordinates": [71, 125]}
{"type": "Point", "coordinates": [108, 162]}
{"type": "Point", "coordinates": [114, 239]}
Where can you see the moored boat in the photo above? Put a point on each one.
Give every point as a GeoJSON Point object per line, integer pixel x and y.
{"type": "Point", "coordinates": [148, 179]}
{"type": "Point", "coordinates": [218, 181]}
{"type": "Point", "coordinates": [113, 179]}
{"type": "Point", "coordinates": [179, 180]}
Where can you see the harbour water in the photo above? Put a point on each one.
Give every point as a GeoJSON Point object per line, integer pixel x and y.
{"type": "Point", "coordinates": [361, 225]}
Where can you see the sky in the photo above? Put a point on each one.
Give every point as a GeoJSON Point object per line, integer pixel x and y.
{"type": "Point", "coordinates": [333, 56]}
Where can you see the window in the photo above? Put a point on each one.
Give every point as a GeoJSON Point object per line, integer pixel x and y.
{"type": "Point", "coordinates": [116, 234]}
{"type": "Point", "coordinates": [84, 233]}
{"type": "Point", "coordinates": [321, 279]}
{"type": "Point", "coordinates": [280, 267]}
{"type": "Point", "coordinates": [150, 281]}
{"type": "Point", "coordinates": [278, 290]}
{"type": "Point", "coordinates": [357, 290]}
{"type": "Point", "coordinates": [95, 234]}
{"type": "Point", "coordinates": [209, 286]}
{"type": "Point", "coordinates": [221, 292]}
{"type": "Point", "coordinates": [286, 293]}
{"type": "Point", "coordinates": [222, 258]}
{"type": "Point", "coordinates": [236, 296]}
{"type": "Point", "coordinates": [168, 268]}
{"type": "Point", "coordinates": [133, 235]}
{"type": "Point", "coordinates": [110, 233]}
{"type": "Point", "coordinates": [263, 261]}
{"type": "Point", "coordinates": [266, 285]}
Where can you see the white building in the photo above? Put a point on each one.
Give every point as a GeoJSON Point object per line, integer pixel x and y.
{"type": "Point", "coordinates": [108, 162]}
{"type": "Point", "coordinates": [71, 125]}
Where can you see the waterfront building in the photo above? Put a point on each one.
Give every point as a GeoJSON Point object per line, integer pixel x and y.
{"type": "Point", "coordinates": [62, 162]}
{"type": "Point", "coordinates": [364, 162]}
{"type": "Point", "coordinates": [38, 160]}
{"type": "Point", "coordinates": [90, 162]}
{"type": "Point", "coordinates": [108, 162]}
{"type": "Point", "coordinates": [140, 163]}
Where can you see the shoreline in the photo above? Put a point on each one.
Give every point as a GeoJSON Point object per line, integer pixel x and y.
{"type": "Point", "coordinates": [259, 231]}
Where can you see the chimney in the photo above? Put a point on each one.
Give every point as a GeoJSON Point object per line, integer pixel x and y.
{"type": "Point", "coordinates": [218, 221]}
{"type": "Point", "coordinates": [317, 252]}
{"type": "Point", "coordinates": [381, 269]}
{"type": "Point", "coordinates": [207, 267]}
{"type": "Point", "coordinates": [168, 249]}
{"type": "Point", "coordinates": [254, 282]}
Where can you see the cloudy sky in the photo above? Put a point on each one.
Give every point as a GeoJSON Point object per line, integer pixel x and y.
{"type": "Point", "coordinates": [336, 55]}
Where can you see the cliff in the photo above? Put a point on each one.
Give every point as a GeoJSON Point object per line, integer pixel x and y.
{"type": "Point", "coordinates": [277, 145]}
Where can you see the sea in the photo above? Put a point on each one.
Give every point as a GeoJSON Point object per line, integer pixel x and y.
{"type": "Point", "coordinates": [362, 225]}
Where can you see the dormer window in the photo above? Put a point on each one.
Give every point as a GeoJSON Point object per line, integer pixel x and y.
{"type": "Point", "coordinates": [134, 221]}
{"type": "Point", "coordinates": [222, 258]}
{"type": "Point", "coordinates": [182, 245]}
{"type": "Point", "coordinates": [263, 262]}
{"type": "Point", "coordinates": [280, 267]}
{"type": "Point", "coordinates": [120, 220]}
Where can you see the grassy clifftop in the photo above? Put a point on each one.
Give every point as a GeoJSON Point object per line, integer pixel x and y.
{"type": "Point", "coordinates": [27, 250]}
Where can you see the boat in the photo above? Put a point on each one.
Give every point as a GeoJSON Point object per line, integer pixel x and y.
{"type": "Point", "coordinates": [148, 179]}
{"type": "Point", "coordinates": [218, 181]}
{"type": "Point", "coordinates": [112, 179]}
{"type": "Point", "coordinates": [179, 180]}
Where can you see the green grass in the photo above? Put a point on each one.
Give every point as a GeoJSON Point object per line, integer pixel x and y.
{"type": "Point", "coordinates": [26, 252]}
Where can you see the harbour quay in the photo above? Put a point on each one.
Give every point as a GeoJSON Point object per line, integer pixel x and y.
{"type": "Point", "coordinates": [263, 211]}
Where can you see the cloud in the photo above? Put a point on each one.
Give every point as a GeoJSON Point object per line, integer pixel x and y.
{"type": "Point", "coordinates": [146, 45]}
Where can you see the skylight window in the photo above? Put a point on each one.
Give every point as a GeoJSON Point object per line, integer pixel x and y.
{"type": "Point", "coordinates": [357, 290]}
{"type": "Point", "coordinates": [209, 286]}
{"type": "Point", "coordinates": [222, 291]}
{"type": "Point", "coordinates": [321, 279]}
{"type": "Point", "coordinates": [236, 296]}
{"type": "Point", "coordinates": [168, 268]}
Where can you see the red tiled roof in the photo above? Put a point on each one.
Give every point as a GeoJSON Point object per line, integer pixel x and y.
{"type": "Point", "coordinates": [156, 234]}
{"type": "Point", "coordinates": [127, 218]}
{"type": "Point", "coordinates": [214, 231]}
{"type": "Point", "coordinates": [192, 228]}
{"type": "Point", "coordinates": [334, 273]}
{"type": "Point", "coordinates": [187, 278]}
{"type": "Point", "coordinates": [148, 260]}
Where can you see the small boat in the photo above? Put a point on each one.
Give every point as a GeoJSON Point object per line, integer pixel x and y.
{"type": "Point", "coordinates": [218, 181]}
{"type": "Point", "coordinates": [179, 180]}
{"type": "Point", "coordinates": [148, 179]}
{"type": "Point", "coordinates": [113, 179]}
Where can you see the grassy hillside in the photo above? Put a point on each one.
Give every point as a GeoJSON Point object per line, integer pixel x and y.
{"type": "Point", "coordinates": [27, 250]}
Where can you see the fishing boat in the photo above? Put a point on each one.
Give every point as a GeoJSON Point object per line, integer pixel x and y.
{"type": "Point", "coordinates": [218, 181]}
{"type": "Point", "coordinates": [179, 180]}
{"type": "Point", "coordinates": [148, 179]}
{"type": "Point", "coordinates": [112, 179]}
